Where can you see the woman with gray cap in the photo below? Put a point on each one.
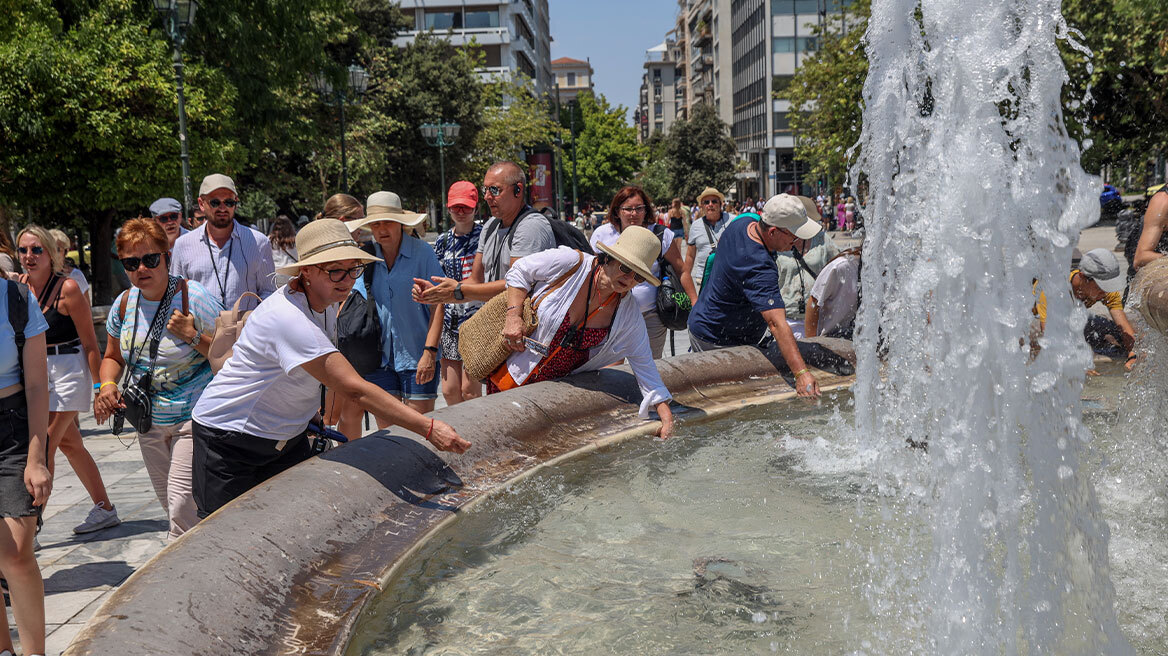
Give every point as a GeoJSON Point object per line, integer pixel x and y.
{"type": "Point", "coordinates": [252, 420]}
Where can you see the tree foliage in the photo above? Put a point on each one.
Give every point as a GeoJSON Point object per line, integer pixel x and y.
{"type": "Point", "coordinates": [607, 152]}
{"type": "Point", "coordinates": [699, 153]}
{"type": "Point", "coordinates": [826, 95]}
{"type": "Point", "coordinates": [514, 119]}
{"type": "Point", "coordinates": [1125, 116]}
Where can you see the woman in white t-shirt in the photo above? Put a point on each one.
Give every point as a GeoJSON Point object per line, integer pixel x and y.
{"type": "Point", "coordinates": [629, 207]}
{"type": "Point", "coordinates": [251, 421]}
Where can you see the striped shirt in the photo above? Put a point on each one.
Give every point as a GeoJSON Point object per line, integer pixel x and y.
{"type": "Point", "coordinates": [244, 264]}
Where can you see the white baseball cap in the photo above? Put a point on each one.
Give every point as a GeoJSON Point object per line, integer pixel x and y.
{"type": "Point", "coordinates": [216, 181]}
{"type": "Point", "coordinates": [795, 214]}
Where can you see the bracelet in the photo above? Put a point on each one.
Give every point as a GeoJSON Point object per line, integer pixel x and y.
{"type": "Point", "coordinates": [96, 387]}
{"type": "Point", "coordinates": [1131, 357]}
{"type": "Point", "coordinates": [802, 371]}
{"type": "Point", "coordinates": [511, 307]}
{"type": "Point", "coordinates": [432, 349]}
{"type": "Point", "coordinates": [194, 341]}
{"type": "Point", "coordinates": [431, 430]}
{"type": "Point", "coordinates": [108, 382]}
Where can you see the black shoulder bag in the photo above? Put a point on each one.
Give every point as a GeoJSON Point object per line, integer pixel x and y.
{"type": "Point", "coordinates": [359, 326]}
{"type": "Point", "coordinates": [136, 396]}
{"type": "Point", "coordinates": [672, 304]}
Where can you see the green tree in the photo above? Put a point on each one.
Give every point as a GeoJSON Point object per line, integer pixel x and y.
{"type": "Point", "coordinates": [607, 152]}
{"type": "Point", "coordinates": [654, 175]}
{"type": "Point", "coordinates": [514, 120]}
{"type": "Point", "coordinates": [826, 94]}
{"type": "Point", "coordinates": [699, 153]}
{"type": "Point", "coordinates": [1125, 117]}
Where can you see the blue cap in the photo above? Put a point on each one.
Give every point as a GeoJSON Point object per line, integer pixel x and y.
{"type": "Point", "coordinates": [164, 206]}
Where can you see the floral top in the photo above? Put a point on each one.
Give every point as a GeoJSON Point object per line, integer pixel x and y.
{"type": "Point", "coordinates": [456, 254]}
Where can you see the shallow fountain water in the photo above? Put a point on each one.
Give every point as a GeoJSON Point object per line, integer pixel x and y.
{"type": "Point", "coordinates": [743, 535]}
{"type": "Point", "coordinates": [976, 196]}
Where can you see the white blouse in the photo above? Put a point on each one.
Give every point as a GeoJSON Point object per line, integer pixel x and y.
{"type": "Point", "coordinates": [628, 339]}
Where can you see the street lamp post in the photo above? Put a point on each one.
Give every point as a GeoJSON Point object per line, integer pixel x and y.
{"type": "Point", "coordinates": [441, 134]}
{"type": "Point", "coordinates": [356, 83]}
{"type": "Point", "coordinates": [572, 129]}
{"type": "Point", "coordinates": [177, 16]}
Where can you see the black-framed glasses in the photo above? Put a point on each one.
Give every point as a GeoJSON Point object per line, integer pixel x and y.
{"type": "Point", "coordinates": [151, 261]}
{"type": "Point", "coordinates": [635, 209]}
{"type": "Point", "coordinates": [711, 201]}
{"type": "Point", "coordinates": [169, 217]}
{"type": "Point", "coordinates": [337, 275]}
{"type": "Point", "coordinates": [215, 202]}
{"type": "Point", "coordinates": [627, 270]}
{"type": "Point", "coordinates": [36, 250]}
{"type": "Point", "coordinates": [491, 190]}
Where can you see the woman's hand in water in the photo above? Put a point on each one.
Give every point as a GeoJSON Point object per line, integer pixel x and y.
{"type": "Point", "coordinates": [445, 438]}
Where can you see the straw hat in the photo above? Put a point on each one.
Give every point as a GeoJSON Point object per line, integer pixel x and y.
{"type": "Point", "coordinates": [636, 248]}
{"type": "Point", "coordinates": [710, 191]}
{"type": "Point", "coordinates": [325, 240]}
{"type": "Point", "coordinates": [385, 206]}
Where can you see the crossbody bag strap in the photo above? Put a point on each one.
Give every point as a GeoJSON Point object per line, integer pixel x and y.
{"type": "Point", "coordinates": [559, 281]}
{"type": "Point", "coordinates": [710, 236]}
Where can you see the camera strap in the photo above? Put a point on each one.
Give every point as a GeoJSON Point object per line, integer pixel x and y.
{"type": "Point", "coordinates": [154, 336]}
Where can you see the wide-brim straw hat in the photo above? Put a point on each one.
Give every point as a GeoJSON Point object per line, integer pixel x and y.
{"type": "Point", "coordinates": [325, 240]}
{"type": "Point", "coordinates": [385, 206]}
{"type": "Point", "coordinates": [636, 248]}
{"type": "Point", "coordinates": [710, 191]}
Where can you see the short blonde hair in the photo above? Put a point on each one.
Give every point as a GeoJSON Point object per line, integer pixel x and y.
{"type": "Point", "coordinates": [48, 242]}
{"type": "Point", "coordinates": [62, 239]}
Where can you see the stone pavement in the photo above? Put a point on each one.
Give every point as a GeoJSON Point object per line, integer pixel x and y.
{"type": "Point", "coordinates": [81, 571]}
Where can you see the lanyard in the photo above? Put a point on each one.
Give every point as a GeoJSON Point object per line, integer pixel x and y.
{"type": "Point", "coordinates": [215, 267]}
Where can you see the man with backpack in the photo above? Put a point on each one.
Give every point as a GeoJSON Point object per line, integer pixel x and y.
{"type": "Point", "coordinates": [514, 230]}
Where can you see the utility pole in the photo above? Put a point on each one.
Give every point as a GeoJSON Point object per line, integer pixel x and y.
{"type": "Point", "coordinates": [559, 159]}
{"type": "Point", "coordinates": [572, 123]}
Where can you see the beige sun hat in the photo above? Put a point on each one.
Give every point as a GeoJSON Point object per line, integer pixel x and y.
{"type": "Point", "coordinates": [795, 214]}
{"type": "Point", "coordinates": [385, 206]}
{"type": "Point", "coordinates": [325, 240]}
{"type": "Point", "coordinates": [636, 248]}
{"type": "Point", "coordinates": [710, 191]}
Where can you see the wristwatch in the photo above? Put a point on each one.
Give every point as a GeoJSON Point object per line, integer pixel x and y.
{"type": "Point", "coordinates": [458, 292]}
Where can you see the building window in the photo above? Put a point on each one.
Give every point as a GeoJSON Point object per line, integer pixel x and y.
{"type": "Point", "coordinates": [571, 79]}
{"type": "Point", "coordinates": [657, 109]}
{"type": "Point", "coordinates": [793, 44]}
{"type": "Point", "coordinates": [790, 7]}
{"type": "Point", "coordinates": [780, 83]}
{"type": "Point", "coordinates": [656, 73]}
{"type": "Point", "coordinates": [443, 20]}
{"type": "Point", "coordinates": [479, 19]}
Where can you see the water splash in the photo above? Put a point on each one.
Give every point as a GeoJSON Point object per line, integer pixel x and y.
{"type": "Point", "coordinates": [976, 195]}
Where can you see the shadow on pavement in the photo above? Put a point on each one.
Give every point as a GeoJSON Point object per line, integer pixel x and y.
{"type": "Point", "coordinates": [87, 576]}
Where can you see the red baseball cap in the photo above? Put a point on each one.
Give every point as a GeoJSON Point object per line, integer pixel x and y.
{"type": "Point", "coordinates": [462, 193]}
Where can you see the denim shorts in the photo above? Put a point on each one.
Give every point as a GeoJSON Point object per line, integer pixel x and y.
{"type": "Point", "coordinates": [402, 384]}
{"type": "Point", "coordinates": [15, 501]}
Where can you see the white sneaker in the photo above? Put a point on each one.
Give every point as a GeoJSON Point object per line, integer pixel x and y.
{"type": "Point", "coordinates": [36, 546]}
{"type": "Point", "coordinates": [99, 517]}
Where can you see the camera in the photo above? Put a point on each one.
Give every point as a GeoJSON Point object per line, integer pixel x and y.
{"type": "Point", "coordinates": [119, 422]}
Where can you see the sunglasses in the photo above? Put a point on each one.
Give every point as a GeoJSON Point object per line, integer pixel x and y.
{"type": "Point", "coordinates": [461, 209]}
{"type": "Point", "coordinates": [711, 201]}
{"type": "Point", "coordinates": [491, 191]}
{"type": "Point", "coordinates": [151, 261]}
{"type": "Point", "coordinates": [169, 217]}
{"type": "Point", "coordinates": [626, 270]}
{"type": "Point", "coordinates": [635, 209]}
{"type": "Point", "coordinates": [36, 250]}
{"type": "Point", "coordinates": [337, 275]}
{"type": "Point", "coordinates": [215, 202]}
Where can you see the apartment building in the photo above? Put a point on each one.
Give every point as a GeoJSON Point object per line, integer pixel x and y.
{"type": "Point", "coordinates": [661, 95]}
{"type": "Point", "coordinates": [735, 54]}
{"type": "Point", "coordinates": [514, 36]}
{"type": "Point", "coordinates": [570, 77]}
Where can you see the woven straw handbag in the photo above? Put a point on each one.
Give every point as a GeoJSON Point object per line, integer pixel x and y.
{"type": "Point", "coordinates": [480, 338]}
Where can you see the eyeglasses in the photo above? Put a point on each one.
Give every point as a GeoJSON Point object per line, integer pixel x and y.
{"type": "Point", "coordinates": [36, 250]}
{"type": "Point", "coordinates": [169, 217]}
{"type": "Point", "coordinates": [491, 191]}
{"type": "Point", "coordinates": [711, 201]}
{"type": "Point", "coordinates": [215, 202]}
{"type": "Point", "coordinates": [151, 261]}
{"type": "Point", "coordinates": [626, 270]}
{"type": "Point", "coordinates": [635, 209]}
{"type": "Point", "coordinates": [337, 275]}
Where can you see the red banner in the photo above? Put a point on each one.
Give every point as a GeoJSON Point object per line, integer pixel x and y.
{"type": "Point", "coordinates": [542, 180]}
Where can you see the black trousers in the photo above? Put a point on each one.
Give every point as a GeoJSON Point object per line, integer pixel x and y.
{"type": "Point", "coordinates": [229, 463]}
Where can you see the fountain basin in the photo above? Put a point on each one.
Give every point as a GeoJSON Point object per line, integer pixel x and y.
{"type": "Point", "coordinates": [288, 567]}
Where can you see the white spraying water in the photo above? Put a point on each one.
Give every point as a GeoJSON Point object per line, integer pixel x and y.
{"type": "Point", "coordinates": [974, 193]}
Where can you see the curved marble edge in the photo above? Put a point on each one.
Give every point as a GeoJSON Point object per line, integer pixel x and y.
{"type": "Point", "coordinates": [288, 567]}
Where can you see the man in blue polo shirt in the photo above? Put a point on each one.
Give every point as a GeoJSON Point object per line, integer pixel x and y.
{"type": "Point", "coordinates": [742, 299]}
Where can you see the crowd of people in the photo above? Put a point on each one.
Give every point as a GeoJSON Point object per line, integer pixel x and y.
{"type": "Point", "coordinates": [356, 313]}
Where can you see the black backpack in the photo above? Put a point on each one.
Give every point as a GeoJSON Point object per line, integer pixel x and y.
{"type": "Point", "coordinates": [18, 317]}
{"type": "Point", "coordinates": [359, 327]}
{"type": "Point", "coordinates": [672, 304]}
{"type": "Point", "coordinates": [565, 233]}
